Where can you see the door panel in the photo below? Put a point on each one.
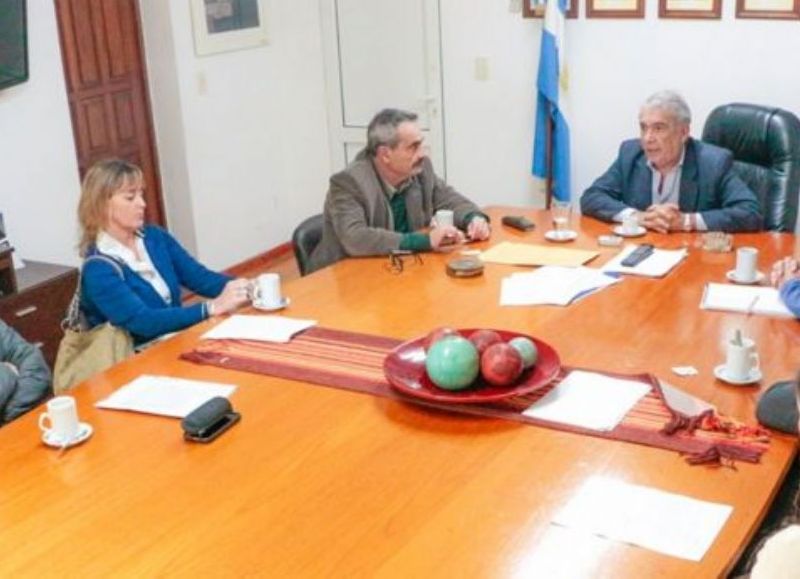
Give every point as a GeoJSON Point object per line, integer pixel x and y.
{"type": "Point", "coordinates": [107, 88]}
{"type": "Point", "coordinates": [378, 54]}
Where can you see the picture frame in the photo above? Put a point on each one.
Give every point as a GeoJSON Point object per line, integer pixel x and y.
{"type": "Point", "coordinates": [614, 8]}
{"type": "Point", "coordinates": [768, 9]}
{"type": "Point", "coordinates": [710, 9]}
{"type": "Point", "coordinates": [535, 8]}
{"type": "Point", "coordinates": [227, 25]}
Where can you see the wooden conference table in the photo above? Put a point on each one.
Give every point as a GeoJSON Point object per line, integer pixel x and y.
{"type": "Point", "coordinates": [318, 481]}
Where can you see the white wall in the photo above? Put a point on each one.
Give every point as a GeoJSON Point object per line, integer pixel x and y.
{"type": "Point", "coordinates": [246, 160]}
{"type": "Point", "coordinates": [614, 65]}
{"type": "Point", "coordinates": [40, 186]}
{"type": "Point", "coordinates": [248, 127]}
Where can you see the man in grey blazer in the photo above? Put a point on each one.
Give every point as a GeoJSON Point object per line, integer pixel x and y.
{"type": "Point", "coordinates": [671, 182]}
{"type": "Point", "coordinates": [384, 199]}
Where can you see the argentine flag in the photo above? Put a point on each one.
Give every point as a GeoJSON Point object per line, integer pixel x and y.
{"type": "Point", "coordinates": [551, 86]}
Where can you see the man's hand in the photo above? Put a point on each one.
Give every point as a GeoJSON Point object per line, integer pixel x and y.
{"type": "Point", "coordinates": [662, 218]}
{"type": "Point", "coordinates": [783, 270]}
{"type": "Point", "coordinates": [444, 237]}
{"type": "Point", "coordinates": [478, 229]}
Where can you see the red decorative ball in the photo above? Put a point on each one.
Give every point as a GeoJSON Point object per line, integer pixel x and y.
{"type": "Point", "coordinates": [437, 334]}
{"type": "Point", "coordinates": [482, 339]}
{"type": "Point", "coordinates": [501, 364]}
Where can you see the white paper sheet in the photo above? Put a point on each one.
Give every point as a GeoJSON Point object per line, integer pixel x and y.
{"type": "Point", "coordinates": [659, 264]}
{"type": "Point", "coordinates": [745, 299]}
{"type": "Point", "coordinates": [589, 400]}
{"type": "Point", "coordinates": [683, 401]}
{"type": "Point", "coordinates": [164, 395]}
{"type": "Point", "coordinates": [552, 285]}
{"type": "Point", "coordinates": [262, 328]}
{"type": "Point", "coordinates": [665, 522]}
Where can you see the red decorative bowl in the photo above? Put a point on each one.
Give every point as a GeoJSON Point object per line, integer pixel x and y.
{"type": "Point", "coordinates": [404, 368]}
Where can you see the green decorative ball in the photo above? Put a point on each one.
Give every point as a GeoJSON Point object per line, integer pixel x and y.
{"type": "Point", "coordinates": [527, 349]}
{"type": "Point", "coordinates": [452, 363]}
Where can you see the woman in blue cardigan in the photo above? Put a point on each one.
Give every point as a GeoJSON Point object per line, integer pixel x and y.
{"type": "Point", "coordinates": [133, 273]}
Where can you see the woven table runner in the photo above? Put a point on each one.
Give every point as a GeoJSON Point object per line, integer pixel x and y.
{"type": "Point", "coordinates": [354, 361]}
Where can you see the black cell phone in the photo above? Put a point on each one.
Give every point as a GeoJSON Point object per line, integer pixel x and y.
{"type": "Point", "coordinates": [638, 255]}
{"type": "Point", "coordinates": [212, 432]}
{"type": "Point", "coordinates": [518, 222]}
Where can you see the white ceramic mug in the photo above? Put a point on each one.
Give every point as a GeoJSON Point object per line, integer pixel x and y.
{"type": "Point", "coordinates": [444, 218]}
{"type": "Point", "coordinates": [746, 263]}
{"type": "Point", "coordinates": [62, 414]}
{"type": "Point", "coordinates": [267, 290]}
{"type": "Point", "coordinates": [630, 223]}
{"type": "Point", "coordinates": [741, 359]}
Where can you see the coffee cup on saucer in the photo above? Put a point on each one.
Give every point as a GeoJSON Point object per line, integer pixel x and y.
{"type": "Point", "coordinates": [444, 218]}
{"type": "Point", "coordinates": [741, 362]}
{"type": "Point", "coordinates": [60, 425]}
{"type": "Point", "coordinates": [746, 265]}
{"type": "Point", "coordinates": [630, 224]}
{"type": "Point", "coordinates": [267, 292]}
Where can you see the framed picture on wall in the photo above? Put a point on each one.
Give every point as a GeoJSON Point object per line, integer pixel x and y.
{"type": "Point", "coordinates": [690, 8]}
{"type": "Point", "coordinates": [782, 9]}
{"type": "Point", "coordinates": [614, 8]}
{"type": "Point", "coordinates": [535, 8]}
{"type": "Point", "coordinates": [225, 25]}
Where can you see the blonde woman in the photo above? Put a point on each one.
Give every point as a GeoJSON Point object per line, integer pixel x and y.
{"type": "Point", "coordinates": [137, 283]}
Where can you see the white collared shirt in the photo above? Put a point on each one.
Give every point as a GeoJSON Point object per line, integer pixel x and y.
{"type": "Point", "coordinates": [144, 267]}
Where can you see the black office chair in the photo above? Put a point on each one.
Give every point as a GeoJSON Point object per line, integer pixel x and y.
{"type": "Point", "coordinates": [765, 142]}
{"type": "Point", "coordinates": [305, 238]}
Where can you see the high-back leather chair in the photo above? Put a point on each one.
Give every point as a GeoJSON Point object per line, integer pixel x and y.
{"type": "Point", "coordinates": [305, 238]}
{"type": "Point", "coordinates": [765, 142]}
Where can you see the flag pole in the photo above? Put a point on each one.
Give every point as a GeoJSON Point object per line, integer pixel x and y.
{"type": "Point", "coordinates": [548, 199]}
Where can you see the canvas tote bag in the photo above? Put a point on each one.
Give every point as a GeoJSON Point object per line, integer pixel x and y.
{"type": "Point", "coordinates": [83, 353]}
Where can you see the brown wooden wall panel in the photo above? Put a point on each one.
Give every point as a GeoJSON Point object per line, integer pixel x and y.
{"type": "Point", "coordinates": [89, 69]}
{"type": "Point", "coordinates": [94, 115]}
{"type": "Point", "coordinates": [115, 41]}
{"type": "Point", "coordinates": [123, 114]}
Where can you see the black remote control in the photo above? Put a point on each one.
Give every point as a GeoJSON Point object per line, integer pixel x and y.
{"type": "Point", "coordinates": [638, 255]}
{"type": "Point", "coordinates": [518, 222]}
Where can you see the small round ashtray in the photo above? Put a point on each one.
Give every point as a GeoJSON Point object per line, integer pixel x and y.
{"type": "Point", "coordinates": [469, 266]}
{"type": "Point", "coordinates": [717, 241]}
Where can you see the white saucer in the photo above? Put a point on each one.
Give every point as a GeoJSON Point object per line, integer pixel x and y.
{"type": "Point", "coordinates": [51, 439]}
{"type": "Point", "coordinates": [272, 307]}
{"type": "Point", "coordinates": [719, 372]}
{"type": "Point", "coordinates": [560, 236]}
{"type": "Point", "coordinates": [638, 232]}
{"type": "Point", "coordinates": [731, 275]}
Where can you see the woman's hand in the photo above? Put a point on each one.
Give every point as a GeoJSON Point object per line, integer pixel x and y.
{"type": "Point", "coordinates": [234, 294]}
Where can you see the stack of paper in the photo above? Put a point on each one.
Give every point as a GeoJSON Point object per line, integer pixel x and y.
{"type": "Point", "coordinates": [589, 400]}
{"type": "Point", "coordinates": [553, 285]}
{"type": "Point", "coordinates": [658, 264]}
{"type": "Point", "coordinates": [262, 328]}
{"type": "Point", "coordinates": [745, 299]}
{"type": "Point", "coordinates": [164, 395]}
{"type": "Point", "coordinates": [529, 254]}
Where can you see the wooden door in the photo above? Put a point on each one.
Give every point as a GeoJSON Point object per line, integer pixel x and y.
{"type": "Point", "coordinates": [101, 44]}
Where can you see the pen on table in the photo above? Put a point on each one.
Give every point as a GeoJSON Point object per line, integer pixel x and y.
{"type": "Point", "coordinates": [752, 305]}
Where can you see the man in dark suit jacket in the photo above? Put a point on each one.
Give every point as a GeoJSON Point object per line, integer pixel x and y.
{"type": "Point", "coordinates": [671, 182]}
{"type": "Point", "coordinates": [387, 196]}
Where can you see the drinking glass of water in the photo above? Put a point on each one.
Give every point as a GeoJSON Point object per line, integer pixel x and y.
{"type": "Point", "coordinates": [561, 211]}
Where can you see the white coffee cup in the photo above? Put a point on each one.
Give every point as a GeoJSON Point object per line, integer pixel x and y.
{"type": "Point", "coordinates": [746, 263]}
{"type": "Point", "coordinates": [267, 290]}
{"type": "Point", "coordinates": [630, 224]}
{"type": "Point", "coordinates": [741, 359]}
{"type": "Point", "coordinates": [62, 414]}
{"type": "Point", "coordinates": [444, 218]}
